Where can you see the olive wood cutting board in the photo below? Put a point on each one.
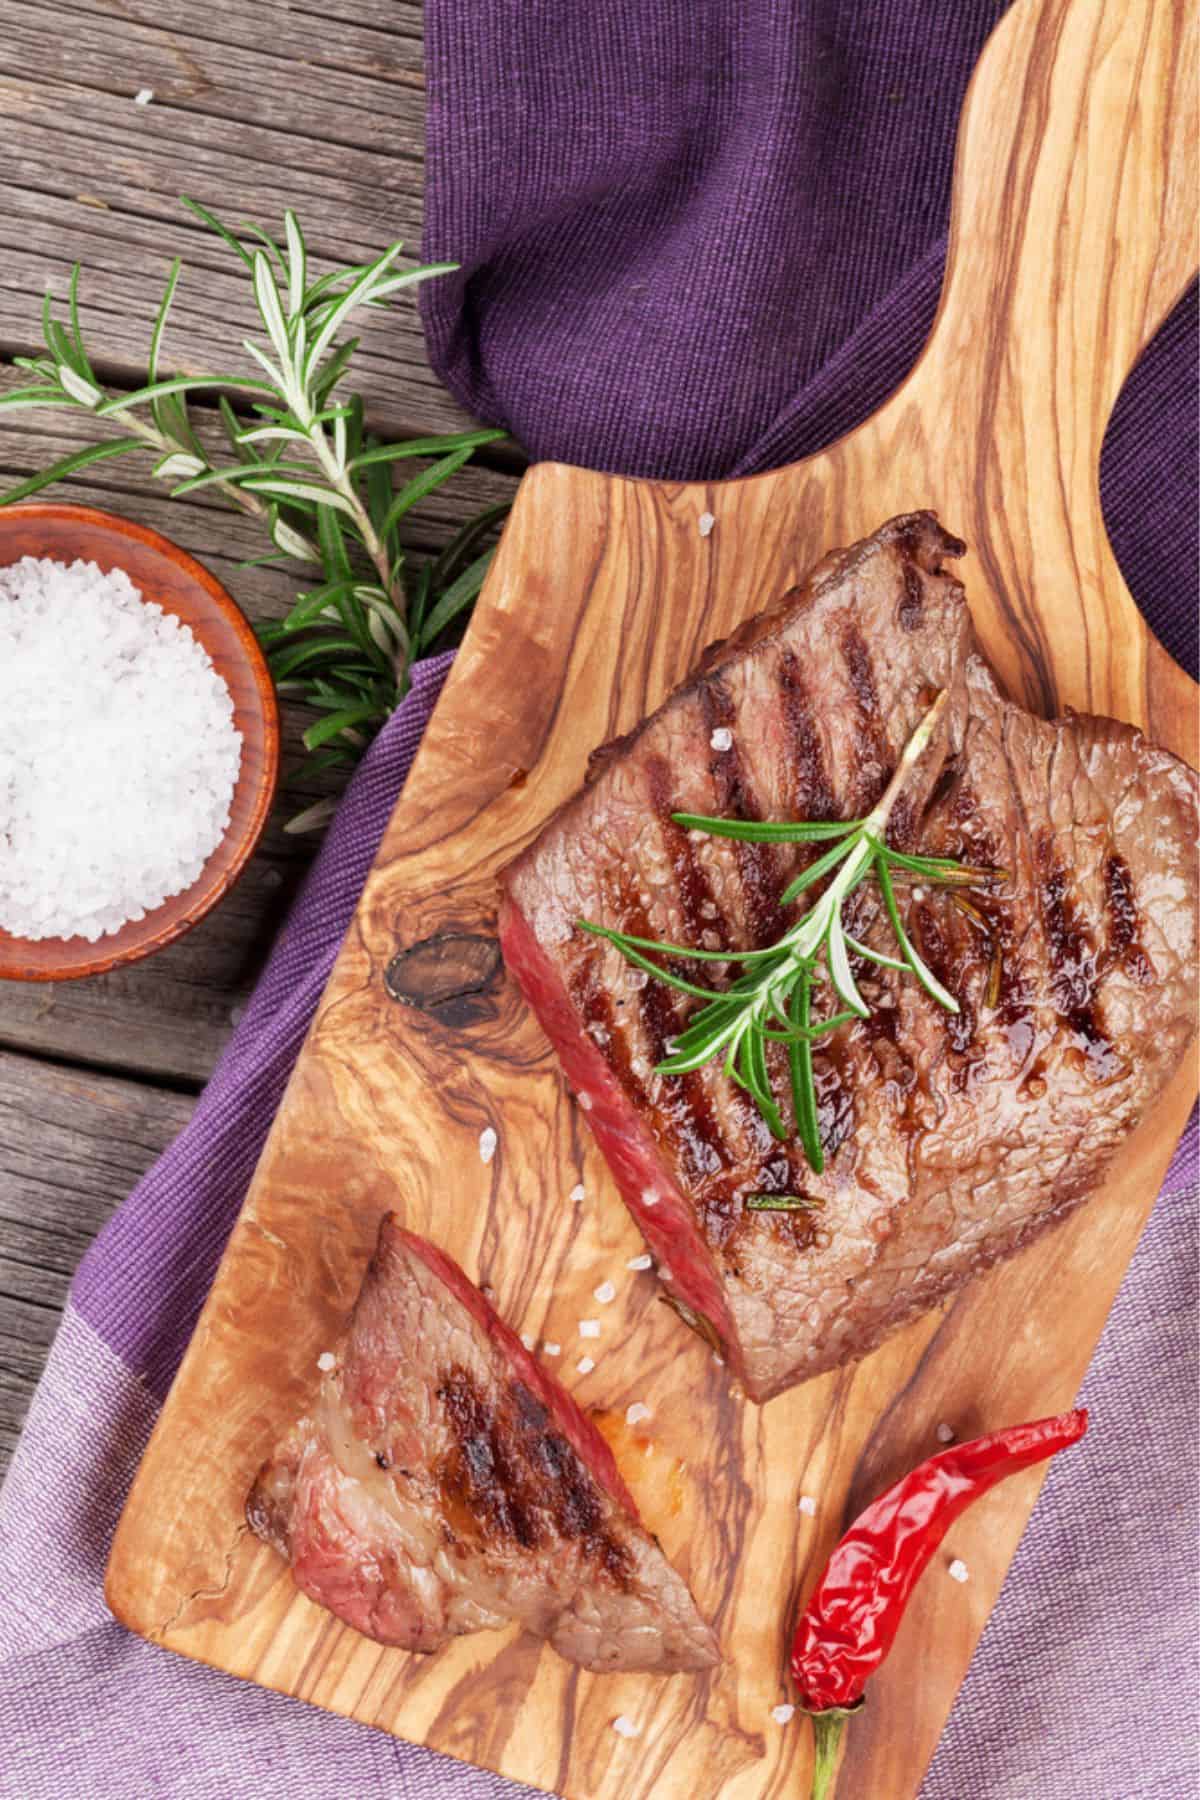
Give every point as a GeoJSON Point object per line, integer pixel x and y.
{"type": "Point", "coordinates": [1072, 237]}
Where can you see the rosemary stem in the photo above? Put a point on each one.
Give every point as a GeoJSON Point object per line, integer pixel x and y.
{"type": "Point", "coordinates": [150, 435]}
{"type": "Point", "coordinates": [390, 581]}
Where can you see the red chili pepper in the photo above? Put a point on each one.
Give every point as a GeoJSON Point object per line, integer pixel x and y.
{"type": "Point", "coordinates": [851, 1621]}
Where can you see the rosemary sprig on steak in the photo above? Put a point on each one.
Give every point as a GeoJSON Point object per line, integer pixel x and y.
{"type": "Point", "coordinates": [771, 1001]}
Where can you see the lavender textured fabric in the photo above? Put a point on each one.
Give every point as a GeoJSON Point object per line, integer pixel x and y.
{"type": "Point", "coordinates": [697, 237]}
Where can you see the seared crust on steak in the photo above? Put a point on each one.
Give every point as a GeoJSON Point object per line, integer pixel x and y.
{"type": "Point", "coordinates": [950, 1140]}
{"type": "Point", "coordinates": [444, 1483]}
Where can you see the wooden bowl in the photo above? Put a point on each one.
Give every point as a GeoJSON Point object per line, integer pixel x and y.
{"type": "Point", "coordinates": [176, 582]}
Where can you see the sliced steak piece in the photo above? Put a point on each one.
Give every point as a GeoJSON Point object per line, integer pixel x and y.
{"type": "Point", "coordinates": [444, 1483]}
{"type": "Point", "coordinates": [950, 1140]}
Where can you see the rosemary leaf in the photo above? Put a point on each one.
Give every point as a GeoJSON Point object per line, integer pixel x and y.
{"type": "Point", "coordinates": [70, 465]}
{"type": "Point", "coordinates": [782, 1203]}
{"type": "Point", "coordinates": [462, 591]}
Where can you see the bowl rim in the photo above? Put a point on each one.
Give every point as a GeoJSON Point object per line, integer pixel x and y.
{"type": "Point", "coordinates": [93, 959]}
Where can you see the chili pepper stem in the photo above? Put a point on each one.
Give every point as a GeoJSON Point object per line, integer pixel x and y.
{"type": "Point", "coordinates": [828, 1728]}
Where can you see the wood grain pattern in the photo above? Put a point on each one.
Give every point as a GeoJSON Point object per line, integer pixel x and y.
{"type": "Point", "coordinates": [255, 107]}
{"type": "Point", "coordinates": [72, 1144]}
{"type": "Point", "coordinates": [1070, 241]}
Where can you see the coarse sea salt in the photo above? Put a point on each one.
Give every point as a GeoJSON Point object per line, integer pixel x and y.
{"type": "Point", "coordinates": [808, 1505]}
{"type": "Point", "coordinates": [625, 1727]}
{"type": "Point", "coordinates": [577, 1192]}
{"type": "Point", "coordinates": [487, 1144]}
{"type": "Point", "coordinates": [640, 1262]}
{"type": "Point", "coordinates": [781, 1714]}
{"type": "Point", "coordinates": [958, 1570]}
{"type": "Point", "coordinates": [589, 1328]}
{"type": "Point", "coordinates": [118, 752]}
{"type": "Point", "coordinates": [721, 739]}
{"type": "Point", "coordinates": [585, 1365]}
{"type": "Point", "coordinates": [637, 1412]}
{"type": "Point", "coordinates": [604, 1293]}
{"type": "Point", "coordinates": [945, 1433]}
{"type": "Point", "coordinates": [705, 523]}
{"type": "Point", "coordinates": [326, 1361]}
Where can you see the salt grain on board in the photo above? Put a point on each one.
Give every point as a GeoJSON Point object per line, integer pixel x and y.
{"type": "Point", "coordinates": [649, 1197]}
{"type": "Point", "coordinates": [576, 1193]}
{"type": "Point", "coordinates": [589, 1328]}
{"type": "Point", "coordinates": [958, 1570]}
{"type": "Point", "coordinates": [781, 1714]}
{"type": "Point", "coordinates": [604, 1293]}
{"type": "Point", "coordinates": [552, 1349]}
{"type": "Point", "coordinates": [326, 1361]}
{"type": "Point", "coordinates": [808, 1505]}
{"type": "Point", "coordinates": [705, 523]}
{"type": "Point", "coordinates": [143, 97]}
{"type": "Point", "coordinates": [637, 1412]}
{"type": "Point", "coordinates": [625, 1727]}
{"type": "Point", "coordinates": [722, 738]}
{"type": "Point", "coordinates": [945, 1434]}
{"type": "Point", "coordinates": [585, 1365]}
{"type": "Point", "coordinates": [118, 749]}
{"type": "Point", "coordinates": [487, 1144]}
{"type": "Point", "coordinates": [640, 1262]}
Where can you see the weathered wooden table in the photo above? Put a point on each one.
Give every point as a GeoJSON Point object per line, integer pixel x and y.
{"type": "Point", "coordinates": [257, 104]}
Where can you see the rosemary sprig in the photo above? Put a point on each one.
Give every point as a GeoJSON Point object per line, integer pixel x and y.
{"type": "Point", "coordinates": [771, 1001]}
{"type": "Point", "coordinates": [304, 464]}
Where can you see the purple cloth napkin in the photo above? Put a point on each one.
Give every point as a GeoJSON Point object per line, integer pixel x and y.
{"type": "Point", "coordinates": [697, 237]}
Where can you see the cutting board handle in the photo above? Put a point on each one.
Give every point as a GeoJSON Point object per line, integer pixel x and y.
{"type": "Point", "coordinates": [1074, 209]}
{"type": "Point", "coordinates": [1072, 235]}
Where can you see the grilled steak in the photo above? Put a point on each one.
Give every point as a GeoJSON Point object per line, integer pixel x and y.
{"type": "Point", "coordinates": [443, 1483]}
{"type": "Point", "coordinates": [950, 1140]}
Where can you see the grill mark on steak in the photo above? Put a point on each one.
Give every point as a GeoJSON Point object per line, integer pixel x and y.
{"type": "Point", "coordinates": [702, 914]}
{"type": "Point", "coordinates": [1073, 966]}
{"type": "Point", "coordinates": [901, 831]}
{"type": "Point", "coordinates": [509, 1467]}
{"type": "Point", "coordinates": [681, 1108]}
{"type": "Point", "coordinates": [974, 844]}
{"type": "Point", "coordinates": [812, 791]}
{"type": "Point", "coordinates": [912, 607]}
{"type": "Point", "coordinates": [756, 865]}
{"type": "Point", "coordinates": [835, 1097]}
{"type": "Point", "coordinates": [950, 967]}
{"type": "Point", "coordinates": [481, 1479]}
{"type": "Point", "coordinates": [1123, 921]}
{"type": "Point", "coordinates": [861, 673]}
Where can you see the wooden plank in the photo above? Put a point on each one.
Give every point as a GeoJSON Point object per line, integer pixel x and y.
{"type": "Point", "coordinates": [171, 1015]}
{"type": "Point", "coordinates": [1078, 135]}
{"type": "Point", "coordinates": [254, 109]}
{"type": "Point", "coordinates": [72, 1144]}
